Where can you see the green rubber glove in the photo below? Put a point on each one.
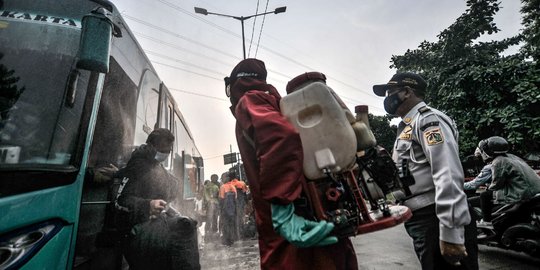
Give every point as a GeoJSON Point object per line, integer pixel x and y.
{"type": "Point", "coordinates": [299, 231]}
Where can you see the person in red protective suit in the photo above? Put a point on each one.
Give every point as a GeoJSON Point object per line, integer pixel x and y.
{"type": "Point", "coordinates": [272, 154]}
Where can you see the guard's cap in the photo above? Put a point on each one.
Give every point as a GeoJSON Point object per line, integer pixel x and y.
{"type": "Point", "coordinates": [401, 79]}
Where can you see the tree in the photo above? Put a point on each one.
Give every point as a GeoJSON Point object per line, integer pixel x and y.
{"type": "Point", "coordinates": [384, 133]}
{"type": "Point", "coordinates": [531, 32]}
{"type": "Point", "coordinates": [485, 91]}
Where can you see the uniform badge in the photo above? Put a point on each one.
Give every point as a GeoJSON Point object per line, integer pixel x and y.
{"type": "Point", "coordinates": [406, 133]}
{"type": "Point", "coordinates": [434, 136]}
{"type": "Point", "coordinates": [407, 120]}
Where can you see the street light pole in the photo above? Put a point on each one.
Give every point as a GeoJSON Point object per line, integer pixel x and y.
{"type": "Point", "coordinates": [203, 11]}
{"type": "Point", "coordinates": [243, 38]}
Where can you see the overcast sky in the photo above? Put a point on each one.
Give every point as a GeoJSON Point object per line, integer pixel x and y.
{"type": "Point", "coordinates": [350, 41]}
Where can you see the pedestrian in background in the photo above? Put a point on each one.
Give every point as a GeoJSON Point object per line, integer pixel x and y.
{"type": "Point", "coordinates": [241, 199]}
{"type": "Point", "coordinates": [227, 197]}
{"type": "Point", "coordinates": [211, 202]}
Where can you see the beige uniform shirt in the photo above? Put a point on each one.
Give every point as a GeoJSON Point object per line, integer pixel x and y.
{"type": "Point", "coordinates": [428, 144]}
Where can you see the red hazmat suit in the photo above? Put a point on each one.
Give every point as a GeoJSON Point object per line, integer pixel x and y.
{"type": "Point", "coordinates": [272, 154]}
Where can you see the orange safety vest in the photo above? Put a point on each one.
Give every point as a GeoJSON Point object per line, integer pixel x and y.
{"type": "Point", "coordinates": [227, 187]}
{"type": "Point", "coordinates": [239, 185]}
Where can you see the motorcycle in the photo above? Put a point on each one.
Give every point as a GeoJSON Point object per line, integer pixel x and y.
{"type": "Point", "coordinates": [514, 226]}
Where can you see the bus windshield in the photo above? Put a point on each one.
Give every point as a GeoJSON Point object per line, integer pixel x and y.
{"type": "Point", "coordinates": [37, 60]}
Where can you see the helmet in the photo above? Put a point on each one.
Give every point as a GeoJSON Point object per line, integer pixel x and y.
{"type": "Point", "coordinates": [493, 146]}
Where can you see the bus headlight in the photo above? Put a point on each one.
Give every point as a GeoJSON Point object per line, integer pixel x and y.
{"type": "Point", "coordinates": [18, 246]}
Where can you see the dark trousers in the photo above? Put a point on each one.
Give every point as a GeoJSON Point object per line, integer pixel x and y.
{"type": "Point", "coordinates": [211, 218]}
{"type": "Point", "coordinates": [423, 228]}
{"type": "Point", "coordinates": [240, 209]}
{"type": "Point", "coordinates": [486, 204]}
{"type": "Point", "coordinates": [229, 229]}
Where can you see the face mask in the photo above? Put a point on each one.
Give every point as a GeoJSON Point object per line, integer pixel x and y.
{"type": "Point", "coordinates": [160, 156]}
{"type": "Point", "coordinates": [392, 103]}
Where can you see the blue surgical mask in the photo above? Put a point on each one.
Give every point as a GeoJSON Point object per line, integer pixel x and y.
{"type": "Point", "coordinates": [160, 156]}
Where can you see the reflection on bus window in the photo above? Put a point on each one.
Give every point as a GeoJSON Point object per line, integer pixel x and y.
{"type": "Point", "coordinates": [35, 126]}
{"type": "Point", "coordinates": [147, 107]}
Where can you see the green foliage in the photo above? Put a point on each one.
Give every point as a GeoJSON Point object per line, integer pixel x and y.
{"type": "Point", "coordinates": [384, 133]}
{"type": "Point", "coordinates": [531, 33]}
{"type": "Point", "coordinates": [486, 92]}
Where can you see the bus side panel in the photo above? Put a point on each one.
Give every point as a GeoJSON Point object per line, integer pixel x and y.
{"type": "Point", "coordinates": [27, 210]}
{"type": "Point", "coordinates": [54, 254]}
{"type": "Point", "coordinates": [61, 202]}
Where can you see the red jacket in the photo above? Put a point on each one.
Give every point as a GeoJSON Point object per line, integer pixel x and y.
{"type": "Point", "coordinates": [273, 166]}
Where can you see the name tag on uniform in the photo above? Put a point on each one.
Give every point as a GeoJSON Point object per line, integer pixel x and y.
{"type": "Point", "coordinates": [406, 133]}
{"type": "Point", "coordinates": [434, 136]}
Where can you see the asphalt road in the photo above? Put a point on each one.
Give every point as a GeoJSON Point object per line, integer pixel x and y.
{"type": "Point", "coordinates": [383, 250]}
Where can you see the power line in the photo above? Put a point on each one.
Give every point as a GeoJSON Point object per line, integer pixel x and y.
{"type": "Point", "coordinates": [186, 70]}
{"type": "Point", "coordinates": [212, 157]}
{"type": "Point", "coordinates": [258, 45]}
{"type": "Point", "coordinates": [189, 40]}
{"type": "Point", "coordinates": [262, 25]}
{"type": "Point", "coordinates": [199, 54]}
{"type": "Point", "coordinates": [253, 29]}
{"type": "Point", "coordinates": [198, 94]}
{"type": "Point", "coordinates": [222, 52]}
{"type": "Point", "coordinates": [190, 13]}
{"type": "Point", "coordinates": [178, 36]}
{"type": "Point", "coordinates": [183, 62]}
{"type": "Point", "coordinates": [209, 23]}
{"type": "Point", "coordinates": [222, 99]}
{"type": "Point", "coordinates": [171, 45]}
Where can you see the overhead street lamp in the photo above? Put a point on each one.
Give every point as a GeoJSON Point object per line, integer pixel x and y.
{"type": "Point", "coordinates": [203, 11]}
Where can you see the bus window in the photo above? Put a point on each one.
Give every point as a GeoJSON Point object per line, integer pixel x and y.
{"type": "Point", "coordinates": [165, 115]}
{"type": "Point", "coordinates": [147, 106]}
{"type": "Point", "coordinates": [178, 158]}
{"type": "Point", "coordinates": [113, 137]}
{"type": "Point", "coordinates": [35, 125]}
{"type": "Point", "coordinates": [169, 112]}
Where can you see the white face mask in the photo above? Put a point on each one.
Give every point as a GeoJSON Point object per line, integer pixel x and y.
{"type": "Point", "coordinates": [160, 156]}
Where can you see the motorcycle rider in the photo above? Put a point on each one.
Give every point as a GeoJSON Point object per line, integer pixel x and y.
{"type": "Point", "coordinates": [513, 180]}
{"type": "Point", "coordinates": [482, 179]}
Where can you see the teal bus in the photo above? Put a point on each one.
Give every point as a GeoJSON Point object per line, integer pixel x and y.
{"type": "Point", "coordinates": [77, 93]}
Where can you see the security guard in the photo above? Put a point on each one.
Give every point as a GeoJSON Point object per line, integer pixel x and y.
{"type": "Point", "coordinates": [426, 153]}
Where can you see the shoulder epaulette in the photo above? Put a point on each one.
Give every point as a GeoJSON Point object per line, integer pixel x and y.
{"type": "Point", "coordinates": [424, 109]}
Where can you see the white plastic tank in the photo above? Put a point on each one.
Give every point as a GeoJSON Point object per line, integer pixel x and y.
{"type": "Point", "coordinates": [328, 139]}
{"type": "Point", "coordinates": [364, 136]}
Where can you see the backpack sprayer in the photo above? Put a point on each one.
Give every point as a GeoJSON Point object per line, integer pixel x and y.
{"type": "Point", "coordinates": [344, 168]}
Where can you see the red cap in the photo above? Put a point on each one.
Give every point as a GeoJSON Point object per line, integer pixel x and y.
{"type": "Point", "coordinates": [361, 109]}
{"type": "Point", "coordinates": [297, 81]}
